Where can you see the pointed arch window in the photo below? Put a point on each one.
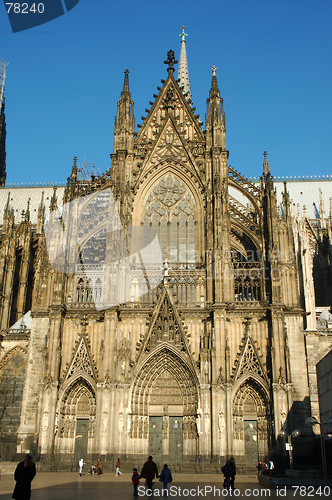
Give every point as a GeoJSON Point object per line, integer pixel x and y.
{"type": "Point", "coordinates": [11, 387]}
{"type": "Point", "coordinates": [89, 288]}
{"type": "Point", "coordinates": [170, 212]}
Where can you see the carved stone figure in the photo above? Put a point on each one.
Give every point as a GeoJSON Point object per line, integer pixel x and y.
{"type": "Point", "coordinates": [207, 423]}
{"type": "Point", "coordinates": [120, 423]}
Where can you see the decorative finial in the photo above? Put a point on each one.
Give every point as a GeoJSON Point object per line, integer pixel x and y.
{"type": "Point", "coordinates": [214, 92]}
{"type": "Point", "coordinates": [183, 35]}
{"type": "Point", "coordinates": [170, 60]}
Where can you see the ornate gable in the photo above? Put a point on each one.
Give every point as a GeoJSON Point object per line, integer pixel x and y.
{"type": "Point", "coordinates": [170, 102]}
{"type": "Point", "coordinates": [169, 147]}
{"type": "Point", "coordinates": [249, 362]}
{"type": "Point", "coordinates": [165, 327]}
{"type": "Point", "coordinates": [82, 362]}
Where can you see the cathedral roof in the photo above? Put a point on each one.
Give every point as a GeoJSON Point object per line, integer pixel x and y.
{"type": "Point", "coordinates": [19, 197]}
{"type": "Point", "coordinates": [308, 193]}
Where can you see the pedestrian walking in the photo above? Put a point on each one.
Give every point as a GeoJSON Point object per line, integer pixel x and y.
{"type": "Point", "coordinates": [81, 464]}
{"type": "Point", "coordinates": [148, 472]}
{"type": "Point", "coordinates": [118, 465]}
{"type": "Point", "coordinates": [271, 467]}
{"type": "Point", "coordinates": [165, 478]}
{"type": "Point", "coordinates": [135, 479]}
{"type": "Point", "coordinates": [23, 475]}
{"type": "Point", "coordinates": [232, 472]}
{"type": "Point", "coordinates": [99, 467]}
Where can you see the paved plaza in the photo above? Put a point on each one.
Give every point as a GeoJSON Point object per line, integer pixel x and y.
{"type": "Point", "coordinates": [69, 486]}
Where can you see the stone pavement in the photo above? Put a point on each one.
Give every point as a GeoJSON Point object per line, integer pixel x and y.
{"type": "Point", "coordinates": [69, 486]}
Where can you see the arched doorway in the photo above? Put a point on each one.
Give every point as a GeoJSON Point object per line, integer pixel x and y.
{"type": "Point", "coordinates": [164, 405]}
{"type": "Point", "coordinates": [77, 419]}
{"type": "Point", "coordinates": [251, 421]}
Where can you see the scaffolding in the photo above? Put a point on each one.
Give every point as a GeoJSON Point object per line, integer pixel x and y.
{"type": "Point", "coordinates": [87, 172]}
{"type": "Point", "coordinates": [3, 65]}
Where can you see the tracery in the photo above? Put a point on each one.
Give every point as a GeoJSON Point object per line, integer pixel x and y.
{"type": "Point", "coordinates": [170, 212]}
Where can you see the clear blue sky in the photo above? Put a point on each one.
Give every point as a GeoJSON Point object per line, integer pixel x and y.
{"type": "Point", "coordinates": [274, 72]}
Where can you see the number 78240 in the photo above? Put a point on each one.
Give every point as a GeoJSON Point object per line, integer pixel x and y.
{"type": "Point", "coordinates": [24, 8]}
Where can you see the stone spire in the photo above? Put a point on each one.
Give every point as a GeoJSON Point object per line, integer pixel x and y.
{"type": "Point", "coordinates": [322, 210]}
{"type": "Point", "coordinates": [41, 211]}
{"type": "Point", "coordinates": [125, 91]}
{"type": "Point", "coordinates": [2, 145]}
{"type": "Point", "coordinates": [183, 74]}
{"type": "Point", "coordinates": [214, 91]}
{"type": "Point", "coordinates": [54, 200]}
{"type": "Point", "coordinates": [215, 117]}
{"type": "Point", "coordinates": [266, 168]}
{"type": "Point", "coordinates": [3, 65]}
{"type": "Point", "coordinates": [6, 214]}
{"type": "Point", "coordinates": [124, 127]}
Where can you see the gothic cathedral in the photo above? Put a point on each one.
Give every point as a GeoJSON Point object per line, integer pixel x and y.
{"type": "Point", "coordinates": [167, 307]}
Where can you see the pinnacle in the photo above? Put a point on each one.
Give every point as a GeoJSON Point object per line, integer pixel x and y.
{"type": "Point", "coordinates": [214, 92]}
{"type": "Point", "coordinates": [266, 168]}
{"type": "Point", "coordinates": [125, 90]}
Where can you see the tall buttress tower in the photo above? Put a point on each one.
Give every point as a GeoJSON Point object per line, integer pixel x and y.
{"type": "Point", "coordinates": [3, 174]}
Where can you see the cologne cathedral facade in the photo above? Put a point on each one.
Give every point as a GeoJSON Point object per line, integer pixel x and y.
{"type": "Point", "coordinates": [170, 306]}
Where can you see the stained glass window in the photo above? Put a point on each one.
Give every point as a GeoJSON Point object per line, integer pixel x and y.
{"type": "Point", "coordinates": [11, 387]}
{"type": "Point", "coordinates": [170, 211]}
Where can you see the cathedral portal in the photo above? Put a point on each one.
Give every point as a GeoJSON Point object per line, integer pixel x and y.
{"type": "Point", "coordinates": [164, 398]}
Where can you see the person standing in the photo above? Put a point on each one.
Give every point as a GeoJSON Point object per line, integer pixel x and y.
{"type": "Point", "coordinates": [226, 471]}
{"type": "Point", "coordinates": [135, 479]}
{"type": "Point", "coordinates": [165, 478]}
{"type": "Point", "coordinates": [232, 472]}
{"type": "Point", "coordinates": [23, 475]}
{"type": "Point", "coordinates": [118, 464]}
{"type": "Point", "coordinates": [148, 472]}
